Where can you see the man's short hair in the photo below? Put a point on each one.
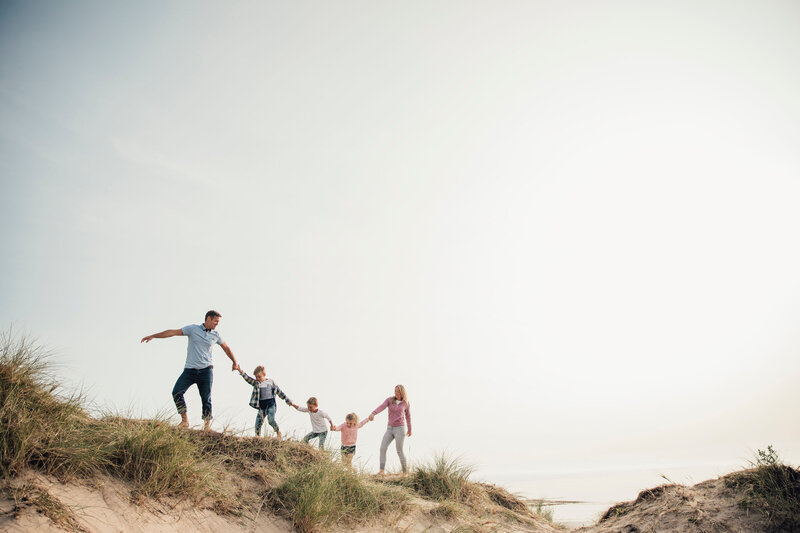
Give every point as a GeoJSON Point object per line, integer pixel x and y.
{"type": "Point", "coordinates": [213, 314]}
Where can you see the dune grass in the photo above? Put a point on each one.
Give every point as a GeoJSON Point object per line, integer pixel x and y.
{"type": "Point", "coordinates": [157, 459]}
{"type": "Point", "coordinates": [443, 478]}
{"type": "Point", "coordinates": [33, 418]}
{"type": "Point", "coordinates": [325, 493]}
{"type": "Point", "coordinates": [447, 509]}
{"type": "Point", "coordinates": [28, 495]}
{"type": "Point", "coordinates": [771, 488]}
{"type": "Point", "coordinates": [543, 511]}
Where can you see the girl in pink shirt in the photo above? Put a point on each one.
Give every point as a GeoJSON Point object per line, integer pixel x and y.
{"type": "Point", "coordinates": [349, 435]}
{"type": "Point", "coordinates": [399, 415]}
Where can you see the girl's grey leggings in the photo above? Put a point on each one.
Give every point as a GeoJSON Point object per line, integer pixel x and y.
{"type": "Point", "coordinates": [398, 433]}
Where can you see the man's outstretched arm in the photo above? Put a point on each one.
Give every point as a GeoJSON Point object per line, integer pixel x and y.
{"type": "Point", "coordinates": [229, 353]}
{"type": "Point", "coordinates": [163, 335]}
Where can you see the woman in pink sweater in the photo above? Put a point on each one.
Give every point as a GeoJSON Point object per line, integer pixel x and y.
{"type": "Point", "coordinates": [399, 415]}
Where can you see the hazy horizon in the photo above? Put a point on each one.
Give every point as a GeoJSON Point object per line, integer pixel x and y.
{"type": "Point", "coordinates": [569, 229]}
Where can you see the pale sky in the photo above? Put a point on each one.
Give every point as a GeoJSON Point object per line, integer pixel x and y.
{"type": "Point", "coordinates": [569, 228]}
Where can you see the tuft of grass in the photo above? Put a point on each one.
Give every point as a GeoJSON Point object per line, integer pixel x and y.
{"type": "Point", "coordinates": [157, 458]}
{"type": "Point", "coordinates": [246, 452]}
{"type": "Point", "coordinates": [626, 507]}
{"type": "Point", "coordinates": [543, 511]}
{"type": "Point", "coordinates": [447, 509]}
{"type": "Point", "coordinates": [503, 498]}
{"type": "Point", "coordinates": [772, 488]}
{"type": "Point", "coordinates": [37, 421]}
{"type": "Point", "coordinates": [29, 495]}
{"type": "Point", "coordinates": [443, 478]}
{"type": "Point", "coordinates": [325, 493]}
{"type": "Point", "coordinates": [446, 480]}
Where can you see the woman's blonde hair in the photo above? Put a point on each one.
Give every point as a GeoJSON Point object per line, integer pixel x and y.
{"type": "Point", "coordinates": [403, 393]}
{"type": "Point", "coordinates": [352, 417]}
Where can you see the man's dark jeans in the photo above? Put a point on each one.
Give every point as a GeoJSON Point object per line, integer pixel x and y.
{"type": "Point", "coordinates": [203, 377]}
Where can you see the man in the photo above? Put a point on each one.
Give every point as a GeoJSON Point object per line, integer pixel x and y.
{"type": "Point", "coordinates": [198, 367]}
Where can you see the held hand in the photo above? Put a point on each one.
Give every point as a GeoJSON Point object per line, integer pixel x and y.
{"type": "Point", "coordinates": [236, 367]}
{"type": "Point", "coordinates": [371, 417]}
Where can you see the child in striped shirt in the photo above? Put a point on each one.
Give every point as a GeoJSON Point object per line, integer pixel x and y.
{"type": "Point", "coordinates": [263, 398]}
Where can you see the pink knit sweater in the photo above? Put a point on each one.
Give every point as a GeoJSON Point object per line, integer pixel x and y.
{"type": "Point", "coordinates": [397, 411]}
{"type": "Point", "coordinates": [349, 435]}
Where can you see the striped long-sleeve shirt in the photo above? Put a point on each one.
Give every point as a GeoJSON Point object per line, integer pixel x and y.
{"type": "Point", "coordinates": [270, 387]}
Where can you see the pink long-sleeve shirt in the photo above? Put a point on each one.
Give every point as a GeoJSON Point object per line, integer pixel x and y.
{"type": "Point", "coordinates": [397, 411]}
{"type": "Point", "coordinates": [349, 435]}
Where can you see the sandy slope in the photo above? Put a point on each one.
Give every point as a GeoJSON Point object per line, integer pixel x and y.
{"type": "Point", "coordinates": [106, 506]}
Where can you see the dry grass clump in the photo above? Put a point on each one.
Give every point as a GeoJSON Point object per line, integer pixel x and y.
{"type": "Point", "coordinates": [771, 488]}
{"type": "Point", "coordinates": [29, 495]}
{"type": "Point", "coordinates": [157, 458]}
{"type": "Point", "coordinates": [246, 452]}
{"type": "Point", "coordinates": [503, 498]}
{"type": "Point", "coordinates": [37, 426]}
{"type": "Point", "coordinates": [544, 511]}
{"type": "Point", "coordinates": [324, 494]}
{"type": "Point", "coordinates": [447, 510]}
{"type": "Point", "coordinates": [443, 478]}
{"type": "Point", "coordinates": [626, 507]}
{"type": "Point", "coordinates": [446, 479]}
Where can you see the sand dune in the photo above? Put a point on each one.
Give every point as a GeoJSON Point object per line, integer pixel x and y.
{"type": "Point", "coordinates": [108, 505]}
{"type": "Point", "coordinates": [63, 469]}
{"type": "Point", "coordinates": [35, 502]}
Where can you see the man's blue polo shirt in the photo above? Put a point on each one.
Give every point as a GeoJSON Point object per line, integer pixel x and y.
{"type": "Point", "coordinates": [198, 353]}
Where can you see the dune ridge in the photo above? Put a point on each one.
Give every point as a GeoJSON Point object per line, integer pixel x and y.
{"type": "Point", "coordinates": [66, 470]}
